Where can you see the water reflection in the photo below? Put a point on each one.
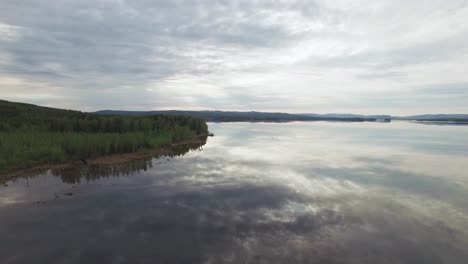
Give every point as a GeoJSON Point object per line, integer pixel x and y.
{"type": "Point", "coordinates": [258, 193]}
{"type": "Point", "coordinates": [77, 173]}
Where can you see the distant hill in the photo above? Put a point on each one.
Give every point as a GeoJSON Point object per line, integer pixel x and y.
{"type": "Point", "coordinates": [31, 112]}
{"type": "Point", "coordinates": [234, 116]}
{"type": "Point", "coordinates": [253, 116]}
{"type": "Point", "coordinates": [350, 116]}
{"type": "Point", "coordinates": [434, 117]}
{"type": "Point", "coordinates": [16, 115]}
{"type": "Point", "coordinates": [23, 117]}
{"type": "Point", "coordinates": [9, 109]}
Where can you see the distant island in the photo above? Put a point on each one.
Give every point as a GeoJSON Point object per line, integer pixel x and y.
{"type": "Point", "coordinates": [253, 116]}
{"type": "Point", "coordinates": [33, 135]}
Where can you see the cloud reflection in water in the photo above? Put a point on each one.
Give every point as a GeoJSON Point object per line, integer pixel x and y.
{"type": "Point", "coordinates": [264, 193]}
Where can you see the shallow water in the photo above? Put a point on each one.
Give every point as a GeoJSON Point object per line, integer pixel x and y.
{"type": "Point", "coordinates": [312, 192]}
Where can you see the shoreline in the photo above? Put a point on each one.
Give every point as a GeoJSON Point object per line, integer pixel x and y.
{"type": "Point", "coordinates": [106, 160]}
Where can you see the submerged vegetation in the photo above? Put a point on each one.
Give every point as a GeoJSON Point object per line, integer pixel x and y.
{"type": "Point", "coordinates": [31, 135]}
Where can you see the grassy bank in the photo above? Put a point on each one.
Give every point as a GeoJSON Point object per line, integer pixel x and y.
{"type": "Point", "coordinates": [32, 135]}
{"type": "Point", "coordinates": [23, 149]}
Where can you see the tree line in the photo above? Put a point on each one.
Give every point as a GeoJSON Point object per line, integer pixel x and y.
{"type": "Point", "coordinates": [31, 135]}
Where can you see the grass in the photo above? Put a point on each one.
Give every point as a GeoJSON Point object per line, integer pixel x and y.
{"type": "Point", "coordinates": [26, 149]}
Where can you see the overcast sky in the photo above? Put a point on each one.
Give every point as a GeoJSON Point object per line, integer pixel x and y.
{"type": "Point", "coordinates": [357, 56]}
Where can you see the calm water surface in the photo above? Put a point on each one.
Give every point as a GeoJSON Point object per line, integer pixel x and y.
{"type": "Point", "coordinates": [255, 193]}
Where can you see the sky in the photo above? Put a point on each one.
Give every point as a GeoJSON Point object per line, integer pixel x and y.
{"type": "Point", "coordinates": [332, 56]}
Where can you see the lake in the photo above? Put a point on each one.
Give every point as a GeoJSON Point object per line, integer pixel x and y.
{"type": "Point", "coordinates": [312, 192]}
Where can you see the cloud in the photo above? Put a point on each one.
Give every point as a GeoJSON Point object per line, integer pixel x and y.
{"type": "Point", "coordinates": [301, 56]}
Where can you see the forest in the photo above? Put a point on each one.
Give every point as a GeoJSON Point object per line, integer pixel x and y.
{"type": "Point", "coordinates": [32, 135]}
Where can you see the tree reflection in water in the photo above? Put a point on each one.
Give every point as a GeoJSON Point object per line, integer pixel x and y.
{"type": "Point", "coordinates": [77, 173]}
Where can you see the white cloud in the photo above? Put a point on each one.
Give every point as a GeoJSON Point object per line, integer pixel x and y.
{"type": "Point", "coordinates": [301, 56]}
{"type": "Point", "coordinates": [9, 32]}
